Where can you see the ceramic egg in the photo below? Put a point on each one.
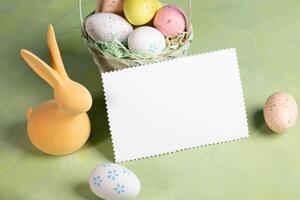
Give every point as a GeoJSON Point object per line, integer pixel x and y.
{"type": "Point", "coordinates": [159, 5]}
{"type": "Point", "coordinates": [170, 20]}
{"type": "Point", "coordinates": [146, 40]}
{"type": "Point", "coordinates": [280, 112]}
{"type": "Point", "coordinates": [140, 12]}
{"type": "Point", "coordinates": [106, 26]}
{"type": "Point", "coordinates": [110, 6]}
{"type": "Point", "coordinates": [114, 182]}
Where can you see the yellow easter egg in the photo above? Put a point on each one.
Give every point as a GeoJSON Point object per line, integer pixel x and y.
{"type": "Point", "coordinates": [140, 12]}
{"type": "Point", "coordinates": [159, 5]}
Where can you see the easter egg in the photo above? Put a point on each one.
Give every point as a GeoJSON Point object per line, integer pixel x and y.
{"type": "Point", "coordinates": [280, 112]}
{"type": "Point", "coordinates": [106, 26]}
{"type": "Point", "coordinates": [114, 182]}
{"type": "Point", "coordinates": [145, 40]}
{"type": "Point", "coordinates": [139, 12]}
{"type": "Point", "coordinates": [159, 5]}
{"type": "Point", "coordinates": [110, 6]}
{"type": "Point", "coordinates": [170, 20]}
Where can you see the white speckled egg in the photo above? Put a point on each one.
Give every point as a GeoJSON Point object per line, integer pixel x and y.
{"type": "Point", "coordinates": [280, 112]}
{"type": "Point", "coordinates": [105, 26]}
{"type": "Point", "coordinates": [114, 182]}
{"type": "Point", "coordinates": [146, 39]}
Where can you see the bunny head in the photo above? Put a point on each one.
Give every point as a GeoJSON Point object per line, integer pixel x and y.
{"type": "Point", "coordinates": [69, 95]}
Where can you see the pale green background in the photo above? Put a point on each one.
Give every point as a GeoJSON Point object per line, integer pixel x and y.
{"type": "Point", "coordinates": [265, 166]}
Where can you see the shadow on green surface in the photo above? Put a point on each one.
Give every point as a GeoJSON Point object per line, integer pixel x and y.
{"type": "Point", "coordinates": [83, 190]}
{"type": "Point", "coordinates": [259, 123]}
{"type": "Point", "coordinates": [17, 137]}
{"type": "Point", "coordinates": [100, 129]}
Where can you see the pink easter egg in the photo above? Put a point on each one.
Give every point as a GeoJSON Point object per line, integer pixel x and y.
{"type": "Point", "coordinates": [170, 20]}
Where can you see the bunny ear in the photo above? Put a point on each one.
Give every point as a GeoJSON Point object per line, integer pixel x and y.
{"type": "Point", "coordinates": [41, 68]}
{"type": "Point", "coordinates": [56, 60]}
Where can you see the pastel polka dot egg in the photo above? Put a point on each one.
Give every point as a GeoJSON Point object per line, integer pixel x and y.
{"type": "Point", "coordinates": [106, 26]}
{"type": "Point", "coordinates": [146, 40]}
{"type": "Point", "coordinates": [110, 6]}
{"type": "Point", "coordinates": [114, 182]}
{"type": "Point", "coordinates": [140, 12]}
{"type": "Point", "coordinates": [280, 112]}
{"type": "Point", "coordinates": [170, 20]}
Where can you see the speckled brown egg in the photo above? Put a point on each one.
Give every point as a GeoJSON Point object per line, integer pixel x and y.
{"type": "Point", "coordinates": [280, 112]}
{"type": "Point", "coordinates": [110, 6]}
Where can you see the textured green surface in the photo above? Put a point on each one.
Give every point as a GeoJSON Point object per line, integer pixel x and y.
{"type": "Point", "coordinates": [265, 166]}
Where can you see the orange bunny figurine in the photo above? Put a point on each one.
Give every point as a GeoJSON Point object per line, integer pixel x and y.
{"type": "Point", "coordinates": [59, 126]}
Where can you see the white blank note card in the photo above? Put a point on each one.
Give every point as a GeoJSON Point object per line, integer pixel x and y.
{"type": "Point", "coordinates": [175, 105]}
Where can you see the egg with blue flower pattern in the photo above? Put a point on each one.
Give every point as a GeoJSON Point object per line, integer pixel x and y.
{"type": "Point", "coordinates": [146, 40]}
{"type": "Point", "coordinates": [114, 182]}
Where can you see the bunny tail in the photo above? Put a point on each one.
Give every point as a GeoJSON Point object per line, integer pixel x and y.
{"type": "Point", "coordinates": [29, 111]}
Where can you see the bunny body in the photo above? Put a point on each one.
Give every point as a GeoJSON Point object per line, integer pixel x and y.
{"type": "Point", "coordinates": [56, 132]}
{"type": "Point", "coordinates": [59, 126]}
